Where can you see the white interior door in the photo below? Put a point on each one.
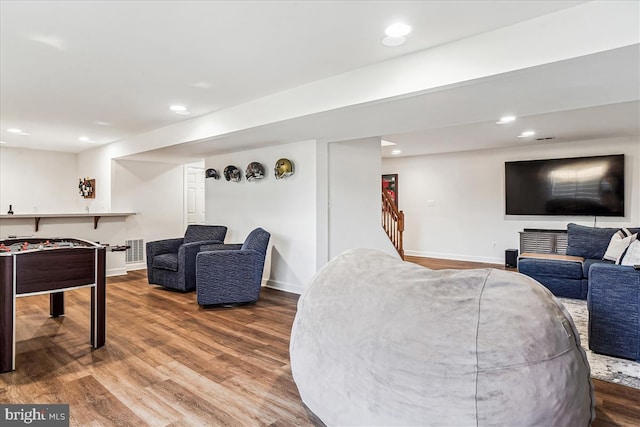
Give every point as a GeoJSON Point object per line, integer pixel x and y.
{"type": "Point", "coordinates": [194, 195]}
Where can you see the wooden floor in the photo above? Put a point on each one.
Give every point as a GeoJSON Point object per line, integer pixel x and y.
{"type": "Point", "coordinates": [168, 362]}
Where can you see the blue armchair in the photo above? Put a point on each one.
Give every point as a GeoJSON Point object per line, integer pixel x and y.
{"type": "Point", "coordinates": [172, 262]}
{"type": "Point", "coordinates": [231, 274]}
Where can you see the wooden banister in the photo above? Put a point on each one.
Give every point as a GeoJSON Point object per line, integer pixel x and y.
{"type": "Point", "coordinates": [393, 222]}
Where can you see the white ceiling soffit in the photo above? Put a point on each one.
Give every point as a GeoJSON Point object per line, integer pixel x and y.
{"type": "Point", "coordinates": [594, 96]}
{"type": "Point", "coordinates": [109, 70]}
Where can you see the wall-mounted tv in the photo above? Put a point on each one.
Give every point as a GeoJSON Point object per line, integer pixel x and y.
{"type": "Point", "coordinates": [573, 186]}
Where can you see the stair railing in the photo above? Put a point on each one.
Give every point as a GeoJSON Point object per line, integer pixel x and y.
{"type": "Point", "coordinates": [393, 222]}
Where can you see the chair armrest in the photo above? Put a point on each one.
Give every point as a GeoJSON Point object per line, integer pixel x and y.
{"type": "Point", "coordinates": [165, 246]}
{"type": "Point", "coordinates": [227, 262]}
{"type": "Point", "coordinates": [187, 259]}
{"type": "Point", "coordinates": [221, 247]}
{"type": "Point", "coordinates": [200, 243]}
{"type": "Point", "coordinates": [190, 250]}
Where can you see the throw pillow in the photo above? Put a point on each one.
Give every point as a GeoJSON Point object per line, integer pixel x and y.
{"type": "Point", "coordinates": [620, 241]}
{"type": "Point", "coordinates": [632, 257]}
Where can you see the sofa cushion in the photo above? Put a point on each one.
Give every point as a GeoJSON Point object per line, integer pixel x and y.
{"type": "Point", "coordinates": [535, 267]}
{"type": "Point", "coordinates": [588, 242]}
{"type": "Point", "coordinates": [586, 265]}
{"type": "Point", "coordinates": [166, 262]}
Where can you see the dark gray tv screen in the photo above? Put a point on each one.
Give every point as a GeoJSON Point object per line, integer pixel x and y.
{"type": "Point", "coordinates": [573, 186]}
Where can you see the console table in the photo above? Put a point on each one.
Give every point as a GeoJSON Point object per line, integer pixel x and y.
{"type": "Point", "coordinates": [39, 266]}
{"type": "Point", "coordinates": [96, 216]}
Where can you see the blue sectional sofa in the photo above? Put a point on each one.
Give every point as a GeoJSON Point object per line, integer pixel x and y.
{"type": "Point", "coordinates": [568, 276]}
{"type": "Point", "coordinates": [612, 291]}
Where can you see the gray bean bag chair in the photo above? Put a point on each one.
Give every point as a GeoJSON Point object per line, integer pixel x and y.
{"type": "Point", "coordinates": [379, 341]}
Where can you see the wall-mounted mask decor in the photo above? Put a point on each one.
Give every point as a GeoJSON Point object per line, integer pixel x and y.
{"type": "Point", "coordinates": [87, 188]}
{"type": "Point", "coordinates": [232, 173]}
{"type": "Point", "coordinates": [283, 168]}
{"type": "Point", "coordinates": [254, 171]}
{"type": "Point", "coordinates": [212, 173]}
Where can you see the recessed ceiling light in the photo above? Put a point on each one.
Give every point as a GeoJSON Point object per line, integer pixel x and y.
{"type": "Point", "coordinates": [3, 142]}
{"type": "Point", "coordinates": [395, 34]}
{"type": "Point", "coordinates": [399, 29]}
{"type": "Point", "coordinates": [18, 131]}
{"type": "Point", "coordinates": [180, 109]}
{"type": "Point", "coordinates": [396, 152]}
{"type": "Point", "coordinates": [393, 41]}
{"type": "Point", "coordinates": [201, 85]}
{"type": "Point", "coordinates": [51, 41]}
{"type": "Point", "coordinates": [84, 139]}
{"type": "Point", "coordinates": [526, 134]}
{"type": "Point", "coordinates": [505, 119]}
{"type": "Point", "coordinates": [384, 143]}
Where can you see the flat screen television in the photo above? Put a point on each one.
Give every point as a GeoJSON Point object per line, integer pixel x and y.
{"type": "Point", "coordinates": [573, 186]}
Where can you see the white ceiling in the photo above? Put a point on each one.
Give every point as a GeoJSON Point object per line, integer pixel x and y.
{"type": "Point", "coordinates": [110, 70]}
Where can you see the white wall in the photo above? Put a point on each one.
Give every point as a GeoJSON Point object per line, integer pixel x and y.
{"type": "Point", "coordinates": [467, 193]}
{"type": "Point", "coordinates": [286, 208]}
{"type": "Point", "coordinates": [96, 164]}
{"type": "Point", "coordinates": [354, 197]}
{"type": "Point", "coordinates": [155, 191]}
{"type": "Point", "coordinates": [33, 180]}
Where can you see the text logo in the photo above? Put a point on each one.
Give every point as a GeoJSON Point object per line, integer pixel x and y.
{"type": "Point", "coordinates": [54, 415]}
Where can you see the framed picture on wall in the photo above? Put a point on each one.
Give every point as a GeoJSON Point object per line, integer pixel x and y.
{"type": "Point", "coordinates": [390, 185]}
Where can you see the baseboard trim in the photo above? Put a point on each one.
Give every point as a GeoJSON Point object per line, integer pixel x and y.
{"type": "Point", "coordinates": [136, 266]}
{"type": "Point", "coordinates": [116, 272]}
{"type": "Point", "coordinates": [282, 286]}
{"type": "Point", "coordinates": [455, 257]}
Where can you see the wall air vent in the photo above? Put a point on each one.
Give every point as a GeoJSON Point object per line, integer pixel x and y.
{"type": "Point", "coordinates": [135, 253]}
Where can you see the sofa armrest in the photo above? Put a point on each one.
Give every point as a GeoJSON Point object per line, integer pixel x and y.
{"type": "Point", "coordinates": [614, 310]}
{"type": "Point", "coordinates": [558, 257]}
{"type": "Point", "coordinates": [612, 281]}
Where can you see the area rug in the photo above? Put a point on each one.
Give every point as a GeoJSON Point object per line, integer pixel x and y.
{"type": "Point", "coordinates": [606, 368]}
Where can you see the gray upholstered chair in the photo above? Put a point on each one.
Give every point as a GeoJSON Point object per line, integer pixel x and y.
{"type": "Point", "coordinates": [231, 274]}
{"type": "Point", "coordinates": [172, 262]}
